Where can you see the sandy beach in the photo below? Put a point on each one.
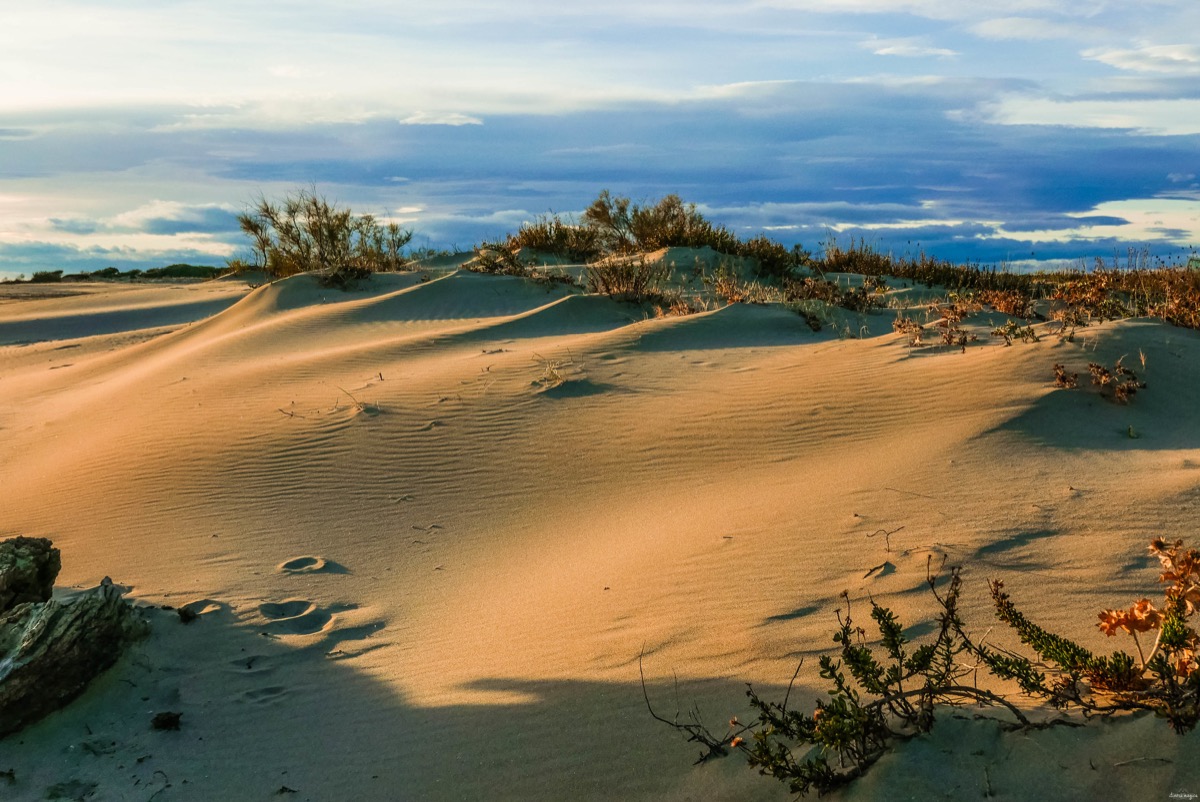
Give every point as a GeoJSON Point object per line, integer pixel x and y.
{"type": "Point", "coordinates": [429, 525]}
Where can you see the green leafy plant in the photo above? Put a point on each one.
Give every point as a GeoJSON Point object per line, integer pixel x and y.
{"type": "Point", "coordinates": [1163, 678]}
{"type": "Point", "coordinates": [883, 694]}
{"type": "Point", "coordinates": [1014, 331]}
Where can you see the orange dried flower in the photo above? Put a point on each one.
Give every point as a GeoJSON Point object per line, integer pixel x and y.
{"type": "Point", "coordinates": [1111, 621]}
{"type": "Point", "coordinates": [1142, 617]}
{"type": "Point", "coordinates": [1184, 667]}
{"type": "Point", "coordinates": [736, 742]}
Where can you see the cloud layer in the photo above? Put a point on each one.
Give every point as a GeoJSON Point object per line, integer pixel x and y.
{"type": "Point", "coordinates": [1030, 129]}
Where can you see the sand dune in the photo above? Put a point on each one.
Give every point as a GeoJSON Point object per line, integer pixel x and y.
{"type": "Point", "coordinates": [431, 523]}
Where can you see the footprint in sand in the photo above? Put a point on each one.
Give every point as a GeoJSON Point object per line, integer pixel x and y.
{"type": "Point", "coordinates": [252, 664]}
{"type": "Point", "coordinates": [295, 617]}
{"type": "Point", "coordinates": [308, 564]}
{"type": "Point", "coordinates": [201, 607]}
{"type": "Point", "coordinates": [262, 696]}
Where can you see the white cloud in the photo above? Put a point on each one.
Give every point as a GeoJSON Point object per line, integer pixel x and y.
{"type": "Point", "coordinates": [293, 71]}
{"type": "Point", "coordinates": [934, 9]}
{"type": "Point", "coordinates": [160, 210]}
{"type": "Point", "coordinates": [440, 118]}
{"type": "Point", "coordinates": [1033, 29]}
{"type": "Point", "coordinates": [1165, 220]}
{"type": "Point", "coordinates": [1178, 59]}
{"type": "Point", "coordinates": [1156, 116]}
{"type": "Point", "coordinates": [910, 47]}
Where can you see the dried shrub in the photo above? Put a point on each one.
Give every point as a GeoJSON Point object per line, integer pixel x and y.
{"type": "Point", "coordinates": [861, 257]}
{"type": "Point", "coordinates": [1018, 303]}
{"type": "Point", "coordinates": [674, 304]}
{"type": "Point", "coordinates": [497, 258]}
{"type": "Point", "coordinates": [950, 316]}
{"type": "Point", "coordinates": [907, 326]}
{"type": "Point", "coordinates": [621, 226]}
{"type": "Point", "coordinates": [855, 299]}
{"type": "Point", "coordinates": [726, 286]}
{"type": "Point", "coordinates": [305, 233]}
{"type": "Point", "coordinates": [635, 280]}
{"type": "Point", "coordinates": [773, 259]}
{"type": "Point", "coordinates": [1119, 384]}
{"type": "Point", "coordinates": [551, 234]}
{"type": "Point", "coordinates": [1064, 380]}
{"type": "Point", "coordinates": [625, 227]}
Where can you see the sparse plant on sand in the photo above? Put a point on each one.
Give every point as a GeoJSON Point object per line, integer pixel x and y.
{"type": "Point", "coordinates": [1119, 384]}
{"type": "Point", "coordinates": [877, 699]}
{"type": "Point", "coordinates": [855, 299]}
{"type": "Point", "coordinates": [617, 225]}
{"type": "Point", "coordinates": [728, 287]}
{"type": "Point", "coordinates": [1064, 380]}
{"type": "Point", "coordinates": [1014, 331]}
{"type": "Point", "coordinates": [627, 227]}
{"type": "Point", "coordinates": [549, 233]}
{"type": "Point", "coordinates": [554, 371]}
{"type": "Point", "coordinates": [1015, 302]}
{"type": "Point", "coordinates": [911, 328]}
{"type": "Point", "coordinates": [675, 304]}
{"type": "Point", "coordinates": [633, 279]}
{"type": "Point", "coordinates": [1163, 678]}
{"type": "Point", "coordinates": [950, 316]}
{"type": "Point", "coordinates": [305, 233]}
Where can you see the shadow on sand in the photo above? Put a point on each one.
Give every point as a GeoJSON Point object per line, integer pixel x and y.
{"type": "Point", "coordinates": [265, 720]}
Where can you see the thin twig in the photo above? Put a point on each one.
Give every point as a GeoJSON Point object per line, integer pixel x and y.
{"type": "Point", "coordinates": [1142, 760]}
{"type": "Point", "coordinates": [887, 536]}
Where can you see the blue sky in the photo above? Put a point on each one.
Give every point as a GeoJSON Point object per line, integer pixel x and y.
{"type": "Point", "coordinates": [132, 132]}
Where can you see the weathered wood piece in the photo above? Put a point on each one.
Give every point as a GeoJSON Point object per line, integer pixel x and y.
{"type": "Point", "coordinates": [50, 651]}
{"type": "Point", "coordinates": [28, 568]}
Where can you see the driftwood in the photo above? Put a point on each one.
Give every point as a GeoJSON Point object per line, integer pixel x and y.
{"type": "Point", "coordinates": [28, 567]}
{"type": "Point", "coordinates": [51, 650]}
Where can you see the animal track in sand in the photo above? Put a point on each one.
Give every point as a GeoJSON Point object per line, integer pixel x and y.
{"type": "Point", "coordinates": [295, 617]}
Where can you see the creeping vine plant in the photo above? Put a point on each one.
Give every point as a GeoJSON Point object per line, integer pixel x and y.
{"type": "Point", "coordinates": [877, 699]}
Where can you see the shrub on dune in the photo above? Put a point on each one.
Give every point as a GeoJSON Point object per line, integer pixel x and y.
{"type": "Point", "coordinates": [634, 280]}
{"type": "Point", "coordinates": [305, 233]}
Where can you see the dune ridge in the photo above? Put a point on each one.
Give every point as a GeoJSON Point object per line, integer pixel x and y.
{"type": "Point", "coordinates": [430, 524]}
